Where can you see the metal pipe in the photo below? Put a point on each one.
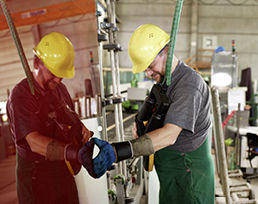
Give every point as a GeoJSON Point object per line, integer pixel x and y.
{"type": "Point", "coordinates": [104, 126]}
{"type": "Point", "coordinates": [111, 19]}
{"type": "Point", "coordinates": [216, 149]}
{"type": "Point", "coordinates": [120, 110]}
{"type": "Point", "coordinates": [133, 162]}
{"type": "Point", "coordinates": [112, 55]}
{"type": "Point", "coordinates": [194, 29]}
{"type": "Point", "coordinates": [114, 78]}
{"type": "Point", "coordinates": [221, 146]}
{"type": "Point", "coordinates": [172, 43]}
{"type": "Point", "coordinates": [116, 70]}
{"type": "Point", "coordinates": [118, 91]}
{"type": "Point", "coordinates": [237, 139]}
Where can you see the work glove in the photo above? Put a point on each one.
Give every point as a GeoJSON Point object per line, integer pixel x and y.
{"type": "Point", "coordinates": [71, 152]}
{"type": "Point", "coordinates": [108, 154]}
{"type": "Point", "coordinates": [98, 166]}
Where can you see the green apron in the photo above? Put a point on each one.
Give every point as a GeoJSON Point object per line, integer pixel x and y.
{"type": "Point", "coordinates": [186, 178]}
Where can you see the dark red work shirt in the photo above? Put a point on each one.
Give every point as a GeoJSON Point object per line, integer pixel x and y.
{"type": "Point", "coordinates": [28, 113]}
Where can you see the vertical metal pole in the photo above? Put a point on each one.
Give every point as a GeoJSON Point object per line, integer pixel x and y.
{"type": "Point", "coordinates": [216, 148]}
{"type": "Point", "coordinates": [113, 72]}
{"type": "Point", "coordinates": [221, 146]}
{"type": "Point", "coordinates": [194, 28]}
{"type": "Point", "coordinates": [104, 130]}
{"type": "Point", "coordinates": [172, 43]}
{"type": "Point", "coordinates": [120, 191]}
{"type": "Point", "coordinates": [237, 139]}
{"type": "Point", "coordinates": [234, 70]}
{"type": "Point", "coordinates": [117, 73]}
{"type": "Point", "coordinates": [116, 69]}
{"type": "Point", "coordinates": [115, 79]}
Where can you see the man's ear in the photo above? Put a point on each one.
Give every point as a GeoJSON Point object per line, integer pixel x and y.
{"type": "Point", "coordinates": [166, 49]}
{"type": "Point", "coordinates": [36, 62]}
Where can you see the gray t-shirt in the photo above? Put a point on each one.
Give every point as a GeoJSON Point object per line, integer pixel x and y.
{"type": "Point", "coordinates": [189, 108]}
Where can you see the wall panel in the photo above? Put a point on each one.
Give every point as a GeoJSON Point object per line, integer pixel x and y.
{"type": "Point", "coordinates": [136, 13]}
{"type": "Point", "coordinates": [227, 20]}
{"type": "Point", "coordinates": [11, 70]}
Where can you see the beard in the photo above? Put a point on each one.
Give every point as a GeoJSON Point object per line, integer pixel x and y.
{"type": "Point", "coordinates": [157, 77]}
{"type": "Point", "coordinates": [50, 84]}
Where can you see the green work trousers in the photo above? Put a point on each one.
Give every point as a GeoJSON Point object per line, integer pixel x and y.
{"type": "Point", "coordinates": [186, 178]}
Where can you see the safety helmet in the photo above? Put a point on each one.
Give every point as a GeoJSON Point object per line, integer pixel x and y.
{"type": "Point", "coordinates": [57, 53]}
{"type": "Point", "coordinates": [145, 44]}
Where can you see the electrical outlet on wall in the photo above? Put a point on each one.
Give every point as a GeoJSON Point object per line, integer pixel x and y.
{"type": "Point", "coordinates": [209, 42]}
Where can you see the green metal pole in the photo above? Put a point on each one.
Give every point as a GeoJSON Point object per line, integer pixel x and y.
{"type": "Point", "coordinates": [176, 19]}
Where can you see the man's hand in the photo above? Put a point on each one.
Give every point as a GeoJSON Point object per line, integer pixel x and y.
{"type": "Point", "coordinates": [98, 166]}
{"type": "Point", "coordinates": [86, 134]}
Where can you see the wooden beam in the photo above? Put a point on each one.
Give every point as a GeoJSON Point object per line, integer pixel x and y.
{"type": "Point", "coordinates": [50, 13]}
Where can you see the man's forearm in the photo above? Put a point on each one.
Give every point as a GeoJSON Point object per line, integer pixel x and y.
{"type": "Point", "coordinates": [165, 136]}
{"type": "Point", "coordinates": [38, 143]}
{"type": "Point", "coordinates": [52, 149]}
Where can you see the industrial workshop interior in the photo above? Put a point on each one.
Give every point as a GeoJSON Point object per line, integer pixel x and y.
{"type": "Point", "coordinates": [214, 40]}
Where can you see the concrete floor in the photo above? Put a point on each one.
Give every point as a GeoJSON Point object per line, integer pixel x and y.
{"type": "Point", "coordinates": [7, 181]}
{"type": "Point", "coordinates": [254, 186]}
{"type": "Point", "coordinates": [233, 181]}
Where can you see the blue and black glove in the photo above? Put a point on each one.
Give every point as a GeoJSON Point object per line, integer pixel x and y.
{"type": "Point", "coordinates": [108, 154]}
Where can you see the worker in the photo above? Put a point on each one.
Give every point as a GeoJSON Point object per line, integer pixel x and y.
{"type": "Point", "coordinates": [182, 145]}
{"type": "Point", "coordinates": [46, 130]}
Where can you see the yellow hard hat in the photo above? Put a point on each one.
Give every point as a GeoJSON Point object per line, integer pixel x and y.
{"type": "Point", "coordinates": [57, 53]}
{"type": "Point", "coordinates": [145, 44]}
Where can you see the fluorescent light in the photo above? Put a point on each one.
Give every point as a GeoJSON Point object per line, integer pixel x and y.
{"type": "Point", "coordinates": [221, 79]}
